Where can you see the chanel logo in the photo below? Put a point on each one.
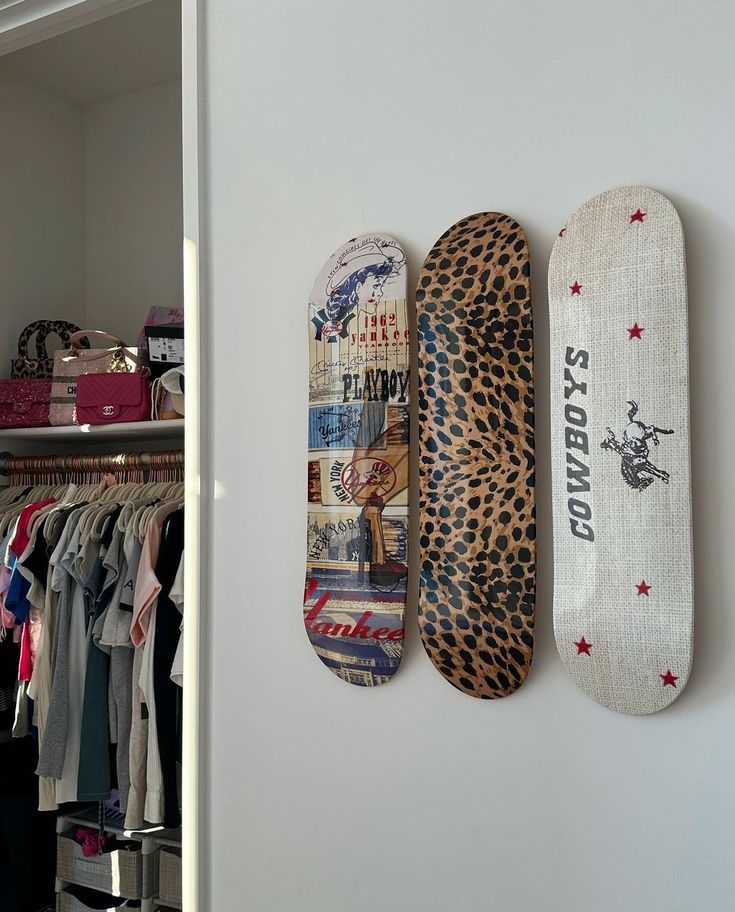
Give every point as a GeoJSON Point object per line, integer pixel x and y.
{"type": "Point", "coordinates": [108, 410]}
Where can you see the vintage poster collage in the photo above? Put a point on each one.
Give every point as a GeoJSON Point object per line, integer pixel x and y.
{"type": "Point", "coordinates": [357, 479]}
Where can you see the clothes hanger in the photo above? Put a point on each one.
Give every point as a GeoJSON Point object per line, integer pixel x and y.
{"type": "Point", "coordinates": [9, 493]}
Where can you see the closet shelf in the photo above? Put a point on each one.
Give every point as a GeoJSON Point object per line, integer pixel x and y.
{"type": "Point", "coordinates": [159, 835]}
{"type": "Point", "coordinates": [142, 430]}
{"type": "Point", "coordinates": [115, 823]}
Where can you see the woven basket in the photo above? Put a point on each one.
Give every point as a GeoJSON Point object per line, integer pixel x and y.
{"type": "Point", "coordinates": [119, 873]}
{"type": "Point", "coordinates": [169, 875]}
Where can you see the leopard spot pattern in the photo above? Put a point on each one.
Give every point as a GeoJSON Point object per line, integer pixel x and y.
{"type": "Point", "coordinates": [476, 446]}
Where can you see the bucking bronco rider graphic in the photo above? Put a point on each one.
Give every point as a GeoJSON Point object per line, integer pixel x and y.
{"type": "Point", "coordinates": [635, 468]}
{"type": "Point", "coordinates": [357, 284]}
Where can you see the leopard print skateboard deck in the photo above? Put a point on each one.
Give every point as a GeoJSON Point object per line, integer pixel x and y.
{"type": "Point", "coordinates": [358, 463]}
{"type": "Point", "coordinates": [476, 456]}
{"type": "Point", "coordinates": [620, 450]}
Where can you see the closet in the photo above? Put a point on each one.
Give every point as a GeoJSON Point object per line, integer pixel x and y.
{"type": "Point", "coordinates": [91, 232]}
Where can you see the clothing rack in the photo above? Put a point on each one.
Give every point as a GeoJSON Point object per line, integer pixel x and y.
{"type": "Point", "coordinates": [97, 463]}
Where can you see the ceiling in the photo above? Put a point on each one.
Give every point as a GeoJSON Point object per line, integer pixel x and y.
{"type": "Point", "coordinates": [133, 50]}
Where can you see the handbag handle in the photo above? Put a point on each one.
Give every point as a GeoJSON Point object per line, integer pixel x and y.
{"type": "Point", "coordinates": [62, 328]}
{"type": "Point", "coordinates": [118, 346]}
{"type": "Point", "coordinates": [42, 329]}
{"type": "Point", "coordinates": [77, 337]}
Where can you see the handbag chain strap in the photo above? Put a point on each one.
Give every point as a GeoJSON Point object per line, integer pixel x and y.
{"type": "Point", "coordinates": [118, 364]}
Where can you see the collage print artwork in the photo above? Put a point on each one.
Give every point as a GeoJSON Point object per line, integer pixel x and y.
{"type": "Point", "coordinates": [358, 462]}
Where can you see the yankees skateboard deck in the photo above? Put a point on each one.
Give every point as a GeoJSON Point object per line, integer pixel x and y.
{"type": "Point", "coordinates": [476, 456]}
{"type": "Point", "coordinates": [620, 450]}
{"type": "Point", "coordinates": [358, 462]}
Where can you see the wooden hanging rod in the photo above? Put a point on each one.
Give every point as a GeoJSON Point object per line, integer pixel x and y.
{"type": "Point", "coordinates": [98, 462]}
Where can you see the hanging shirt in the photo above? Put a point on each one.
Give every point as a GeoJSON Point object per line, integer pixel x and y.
{"type": "Point", "coordinates": [167, 694]}
{"type": "Point", "coordinates": [146, 796]}
{"type": "Point", "coordinates": [115, 630]}
{"type": "Point", "coordinates": [94, 778]}
{"type": "Point", "coordinates": [21, 539]}
{"type": "Point", "coordinates": [59, 757]}
{"type": "Point", "coordinates": [147, 585]}
{"type": "Point", "coordinates": [40, 687]}
{"type": "Point", "coordinates": [112, 633]}
{"type": "Point", "coordinates": [177, 597]}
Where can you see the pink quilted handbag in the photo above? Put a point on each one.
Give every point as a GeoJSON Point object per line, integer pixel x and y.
{"type": "Point", "coordinates": [24, 403]}
{"type": "Point", "coordinates": [113, 397]}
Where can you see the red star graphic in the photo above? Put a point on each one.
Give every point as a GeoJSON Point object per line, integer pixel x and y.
{"type": "Point", "coordinates": [637, 216]}
{"type": "Point", "coordinates": [583, 647]}
{"type": "Point", "coordinates": [643, 588]}
{"type": "Point", "coordinates": [576, 288]}
{"type": "Point", "coordinates": [634, 331]}
{"type": "Point", "coordinates": [669, 678]}
{"type": "Point", "coordinates": [563, 231]}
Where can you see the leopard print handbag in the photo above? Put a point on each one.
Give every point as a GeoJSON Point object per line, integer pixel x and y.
{"type": "Point", "coordinates": [23, 367]}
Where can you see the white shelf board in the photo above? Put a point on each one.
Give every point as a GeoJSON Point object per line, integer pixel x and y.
{"type": "Point", "coordinates": [142, 430]}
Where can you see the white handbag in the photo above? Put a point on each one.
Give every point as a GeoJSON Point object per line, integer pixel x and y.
{"type": "Point", "coordinates": [167, 395]}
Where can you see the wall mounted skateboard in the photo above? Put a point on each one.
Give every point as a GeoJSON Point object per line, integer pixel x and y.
{"type": "Point", "coordinates": [476, 456]}
{"type": "Point", "coordinates": [620, 450]}
{"type": "Point", "coordinates": [357, 504]}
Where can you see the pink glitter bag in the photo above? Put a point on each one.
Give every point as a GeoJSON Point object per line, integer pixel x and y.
{"type": "Point", "coordinates": [25, 403]}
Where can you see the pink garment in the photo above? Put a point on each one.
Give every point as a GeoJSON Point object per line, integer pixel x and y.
{"type": "Point", "coordinates": [25, 666]}
{"type": "Point", "coordinates": [20, 542]}
{"type": "Point", "coordinates": [91, 841]}
{"type": "Point", "coordinates": [147, 585]}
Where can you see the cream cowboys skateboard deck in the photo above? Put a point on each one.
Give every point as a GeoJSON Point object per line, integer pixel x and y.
{"type": "Point", "coordinates": [357, 499]}
{"type": "Point", "coordinates": [620, 450]}
{"type": "Point", "coordinates": [476, 456]}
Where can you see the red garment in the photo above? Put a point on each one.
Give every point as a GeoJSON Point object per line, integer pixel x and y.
{"type": "Point", "coordinates": [21, 539]}
{"type": "Point", "coordinates": [18, 546]}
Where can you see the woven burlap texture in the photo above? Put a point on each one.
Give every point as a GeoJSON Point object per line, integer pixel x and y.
{"type": "Point", "coordinates": [617, 291]}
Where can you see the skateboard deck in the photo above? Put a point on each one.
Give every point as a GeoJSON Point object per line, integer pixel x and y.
{"type": "Point", "coordinates": [620, 450]}
{"type": "Point", "coordinates": [358, 462]}
{"type": "Point", "coordinates": [476, 456]}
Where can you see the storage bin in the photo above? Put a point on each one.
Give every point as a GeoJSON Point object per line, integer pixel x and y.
{"type": "Point", "coordinates": [89, 901]}
{"type": "Point", "coordinates": [119, 872]}
{"type": "Point", "coordinates": [169, 875]}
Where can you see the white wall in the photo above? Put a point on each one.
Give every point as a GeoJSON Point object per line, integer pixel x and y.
{"type": "Point", "coordinates": [90, 209]}
{"type": "Point", "coordinates": [328, 119]}
{"type": "Point", "coordinates": [133, 208]}
{"type": "Point", "coordinates": [41, 221]}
